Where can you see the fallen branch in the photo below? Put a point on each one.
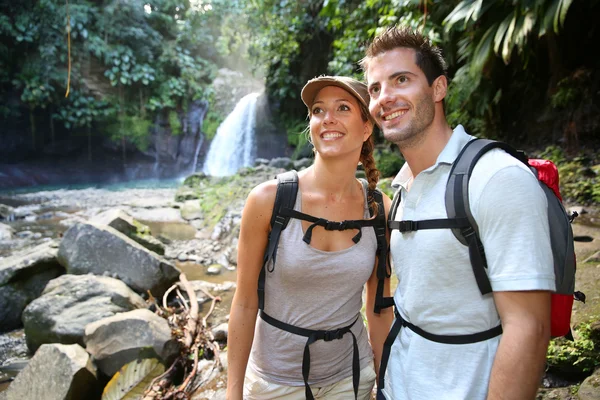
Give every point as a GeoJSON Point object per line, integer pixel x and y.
{"type": "Point", "coordinates": [192, 321]}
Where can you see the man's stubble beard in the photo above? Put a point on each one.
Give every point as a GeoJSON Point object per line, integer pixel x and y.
{"type": "Point", "coordinates": [414, 133]}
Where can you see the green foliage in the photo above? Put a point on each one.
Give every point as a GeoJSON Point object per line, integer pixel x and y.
{"type": "Point", "coordinates": [212, 121]}
{"type": "Point", "coordinates": [133, 128]}
{"type": "Point", "coordinates": [174, 123]}
{"type": "Point", "coordinates": [579, 180]}
{"type": "Point", "coordinates": [156, 57]}
{"type": "Point", "coordinates": [575, 358]}
{"type": "Point", "coordinates": [388, 161]}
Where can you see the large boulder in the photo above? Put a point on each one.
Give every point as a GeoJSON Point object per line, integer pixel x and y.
{"type": "Point", "coordinates": [590, 388]}
{"type": "Point", "coordinates": [56, 372]}
{"type": "Point", "coordinates": [130, 227]}
{"type": "Point", "coordinates": [70, 302]}
{"type": "Point", "coordinates": [23, 277]}
{"type": "Point", "coordinates": [6, 232]}
{"type": "Point", "coordinates": [117, 340]}
{"type": "Point", "coordinates": [102, 250]}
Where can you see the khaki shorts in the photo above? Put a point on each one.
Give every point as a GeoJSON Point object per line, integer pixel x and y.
{"type": "Point", "coordinates": [256, 388]}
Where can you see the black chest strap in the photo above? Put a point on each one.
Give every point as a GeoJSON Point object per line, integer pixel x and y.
{"type": "Point", "coordinates": [400, 322]}
{"type": "Point", "coordinates": [312, 336]}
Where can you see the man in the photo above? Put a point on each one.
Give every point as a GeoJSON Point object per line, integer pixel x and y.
{"type": "Point", "coordinates": [437, 290]}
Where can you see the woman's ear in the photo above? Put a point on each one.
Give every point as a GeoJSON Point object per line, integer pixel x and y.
{"type": "Point", "coordinates": [368, 130]}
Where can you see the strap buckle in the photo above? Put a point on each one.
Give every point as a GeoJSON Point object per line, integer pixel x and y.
{"type": "Point", "coordinates": [329, 336]}
{"type": "Point", "coordinates": [336, 226]}
{"type": "Point", "coordinates": [407, 226]}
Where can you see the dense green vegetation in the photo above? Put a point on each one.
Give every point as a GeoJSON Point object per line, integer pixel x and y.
{"type": "Point", "coordinates": [521, 70]}
{"type": "Point", "coordinates": [131, 61]}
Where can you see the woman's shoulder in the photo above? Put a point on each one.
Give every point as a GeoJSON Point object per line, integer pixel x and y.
{"type": "Point", "coordinates": [261, 198]}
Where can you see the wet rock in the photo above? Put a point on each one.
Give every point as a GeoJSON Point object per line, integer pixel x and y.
{"type": "Point", "coordinates": [117, 219]}
{"type": "Point", "coordinates": [23, 277]}
{"type": "Point", "coordinates": [185, 193]}
{"type": "Point", "coordinates": [126, 224]}
{"type": "Point", "coordinates": [281, 162]}
{"type": "Point", "coordinates": [24, 234]}
{"type": "Point", "coordinates": [128, 336]}
{"type": "Point", "coordinates": [70, 302]}
{"type": "Point", "coordinates": [7, 213]}
{"type": "Point", "coordinates": [191, 210]}
{"type": "Point", "coordinates": [214, 269]}
{"type": "Point", "coordinates": [302, 163]}
{"type": "Point", "coordinates": [89, 248]}
{"type": "Point", "coordinates": [590, 388]}
{"type": "Point", "coordinates": [56, 372]}
{"type": "Point", "coordinates": [6, 232]}
{"type": "Point", "coordinates": [220, 332]}
{"type": "Point", "coordinates": [226, 225]}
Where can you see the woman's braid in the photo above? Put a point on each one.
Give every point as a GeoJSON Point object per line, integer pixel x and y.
{"type": "Point", "coordinates": [371, 171]}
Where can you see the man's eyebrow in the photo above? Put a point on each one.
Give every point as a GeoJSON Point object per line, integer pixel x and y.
{"type": "Point", "coordinates": [397, 74]}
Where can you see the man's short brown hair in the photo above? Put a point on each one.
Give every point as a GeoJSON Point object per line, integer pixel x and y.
{"type": "Point", "coordinates": [427, 56]}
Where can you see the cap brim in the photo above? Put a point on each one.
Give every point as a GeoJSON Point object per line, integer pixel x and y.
{"type": "Point", "coordinates": [312, 88]}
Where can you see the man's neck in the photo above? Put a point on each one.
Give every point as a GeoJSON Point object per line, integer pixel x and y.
{"type": "Point", "coordinates": [424, 154]}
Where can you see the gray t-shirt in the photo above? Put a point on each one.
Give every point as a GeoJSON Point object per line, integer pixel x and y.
{"type": "Point", "coordinates": [436, 288]}
{"type": "Point", "coordinates": [313, 289]}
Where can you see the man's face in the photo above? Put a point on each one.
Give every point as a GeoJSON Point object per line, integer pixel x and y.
{"type": "Point", "coordinates": [402, 101]}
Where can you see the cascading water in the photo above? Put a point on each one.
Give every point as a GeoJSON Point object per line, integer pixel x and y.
{"type": "Point", "coordinates": [233, 145]}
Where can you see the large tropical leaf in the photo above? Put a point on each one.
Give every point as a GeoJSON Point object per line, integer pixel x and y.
{"type": "Point", "coordinates": [501, 33]}
{"type": "Point", "coordinates": [133, 378]}
{"type": "Point", "coordinates": [483, 50]}
{"type": "Point", "coordinates": [508, 39]}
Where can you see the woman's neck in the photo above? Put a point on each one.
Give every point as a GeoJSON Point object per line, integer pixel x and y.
{"type": "Point", "coordinates": [333, 178]}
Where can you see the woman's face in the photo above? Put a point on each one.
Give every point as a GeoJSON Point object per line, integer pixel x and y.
{"type": "Point", "coordinates": [336, 125]}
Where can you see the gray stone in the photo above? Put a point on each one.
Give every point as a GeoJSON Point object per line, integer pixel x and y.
{"type": "Point", "coordinates": [6, 232]}
{"type": "Point", "coordinates": [214, 269]}
{"type": "Point", "coordinates": [70, 302]}
{"type": "Point", "coordinates": [590, 388]}
{"type": "Point", "coordinates": [56, 372]}
{"type": "Point", "coordinates": [23, 277]}
{"type": "Point", "coordinates": [220, 332]}
{"type": "Point", "coordinates": [302, 163]}
{"type": "Point", "coordinates": [90, 248]}
{"type": "Point", "coordinates": [191, 210]}
{"type": "Point", "coordinates": [117, 340]}
{"type": "Point", "coordinates": [117, 219]}
{"type": "Point", "coordinates": [134, 229]}
{"type": "Point", "coordinates": [281, 162]}
{"type": "Point", "coordinates": [7, 213]}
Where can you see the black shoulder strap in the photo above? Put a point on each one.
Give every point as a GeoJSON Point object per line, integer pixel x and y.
{"type": "Point", "coordinates": [457, 202]}
{"type": "Point", "coordinates": [287, 189]}
{"type": "Point", "coordinates": [382, 256]}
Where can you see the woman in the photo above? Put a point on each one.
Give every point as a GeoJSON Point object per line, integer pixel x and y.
{"type": "Point", "coordinates": [318, 279]}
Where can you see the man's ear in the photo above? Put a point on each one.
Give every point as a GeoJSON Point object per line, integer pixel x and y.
{"type": "Point", "coordinates": [440, 88]}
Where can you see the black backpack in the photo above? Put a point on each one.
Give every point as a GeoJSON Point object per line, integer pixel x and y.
{"type": "Point", "coordinates": [283, 210]}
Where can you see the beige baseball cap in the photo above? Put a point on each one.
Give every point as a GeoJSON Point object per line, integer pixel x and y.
{"type": "Point", "coordinates": [352, 86]}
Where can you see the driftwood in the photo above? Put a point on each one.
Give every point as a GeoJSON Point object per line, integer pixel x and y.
{"type": "Point", "coordinates": [196, 341]}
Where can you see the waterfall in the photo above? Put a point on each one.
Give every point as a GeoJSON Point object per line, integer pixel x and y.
{"type": "Point", "coordinates": [233, 145]}
{"type": "Point", "coordinates": [198, 146]}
